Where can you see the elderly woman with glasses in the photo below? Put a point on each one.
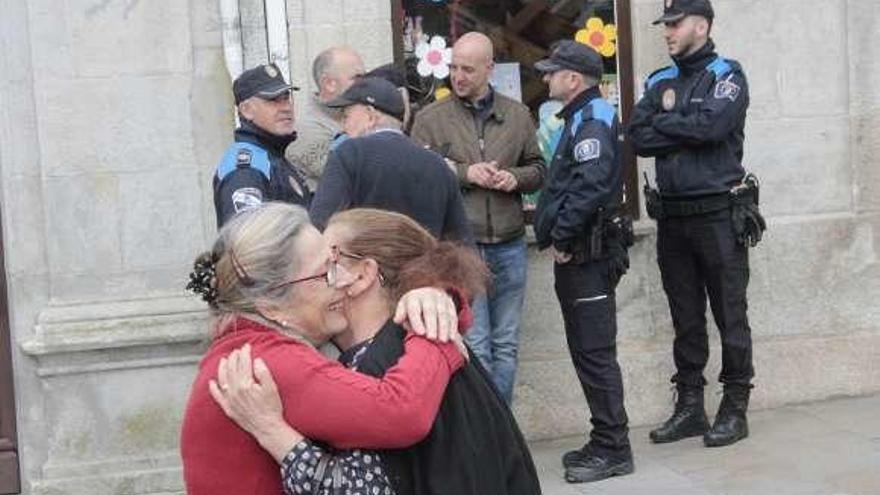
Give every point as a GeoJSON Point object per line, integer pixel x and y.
{"type": "Point", "coordinates": [275, 285]}
{"type": "Point", "coordinates": [474, 447]}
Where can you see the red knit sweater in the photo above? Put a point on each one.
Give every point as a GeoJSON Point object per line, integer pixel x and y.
{"type": "Point", "coordinates": [322, 399]}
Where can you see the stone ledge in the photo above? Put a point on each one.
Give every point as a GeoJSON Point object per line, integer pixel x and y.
{"type": "Point", "coordinates": [95, 326]}
{"type": "Point", "coordinates": [163, 481]}
{"type": "Point", "coordinates": [792, 369]}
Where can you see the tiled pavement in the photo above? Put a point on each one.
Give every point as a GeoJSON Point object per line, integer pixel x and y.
{"type": "Point", "coordinates": [824, 448]}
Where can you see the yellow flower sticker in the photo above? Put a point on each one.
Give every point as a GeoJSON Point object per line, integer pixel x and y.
{"type": "Point", "coordinates": [442, 93]}
{"type": "Point", "coordinates": [599, 36]}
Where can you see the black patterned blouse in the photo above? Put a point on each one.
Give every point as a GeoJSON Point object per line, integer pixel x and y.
{"type": "Point", "coordinates": [309, 469]}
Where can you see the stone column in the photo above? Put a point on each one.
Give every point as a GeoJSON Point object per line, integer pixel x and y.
{"type": "Point", "coordinates": [114, 114]}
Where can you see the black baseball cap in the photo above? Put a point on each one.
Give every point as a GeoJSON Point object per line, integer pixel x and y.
{"type": "Point", "coordinates": [373, 91]}
{"type": "Point", "coordinates": [265, 81]}
{"type": "Point", "coordinates": [572, 55]}
{"type": "Point", "coordinates": [676, 10]}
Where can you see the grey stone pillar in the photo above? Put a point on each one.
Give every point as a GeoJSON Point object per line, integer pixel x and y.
{"type": "Point", "coordinates": [114, 114]}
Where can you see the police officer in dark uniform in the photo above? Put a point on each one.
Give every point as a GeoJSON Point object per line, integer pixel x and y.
{"type": "Point", "coordinates": [691, 119]}
{"type": "Point", "coordinates": [577, 218]}
{"type": "Point", "coordinates": [253, 169]}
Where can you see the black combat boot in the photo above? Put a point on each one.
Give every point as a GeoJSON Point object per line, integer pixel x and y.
{"type": "Point", "coordinates": [730, 424]}
{"type": "Point", "coordinates": [688, 420]}
{"type": "Point", "coordinates": [585, 465]}
{"type": "Point", "coordinates": [573, 456]}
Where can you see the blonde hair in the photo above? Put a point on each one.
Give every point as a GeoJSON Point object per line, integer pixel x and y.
{"type": "Point", "coordinates": [254, 253]}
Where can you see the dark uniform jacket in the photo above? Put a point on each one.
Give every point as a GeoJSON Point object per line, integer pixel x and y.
{"type": "Point", "coordinates": [503, 131]}
{"type": "Point", "coordinates": [388, 170]}
{"type": "Point", "coordinates": [253, 170]}
{"type": "Point", "coordinates": [474, 447]}
{"type": "Point", "coordinates": [585, 174]}
{"type": "Point", "coordinates": [692, 118]}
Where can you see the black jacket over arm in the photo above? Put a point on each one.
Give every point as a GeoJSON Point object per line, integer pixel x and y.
{"type": "Point", "coordinates": [475, 446]}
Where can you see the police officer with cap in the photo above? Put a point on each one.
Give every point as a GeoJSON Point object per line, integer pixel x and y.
{"type": "Point", "coordinates": [575, 219]}
{"type": "Point", "coordinates": [691, 119]}
{"type": "Point", "coordinates": [253, 169]}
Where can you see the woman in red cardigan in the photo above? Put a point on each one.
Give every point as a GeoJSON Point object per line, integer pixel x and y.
{"type": "Point", "coordinates": [475, 446]}
{"type": "Point", "coordinates": [273, 285]}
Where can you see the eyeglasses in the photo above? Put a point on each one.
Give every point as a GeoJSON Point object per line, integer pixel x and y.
{"type": "Point", "coordinates": [336, 253]}
{"type": "Point", "coordinates": [333, 273]}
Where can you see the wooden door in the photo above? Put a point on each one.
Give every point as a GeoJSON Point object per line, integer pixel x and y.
{"type": "Point", "coordinates": [9, 472]}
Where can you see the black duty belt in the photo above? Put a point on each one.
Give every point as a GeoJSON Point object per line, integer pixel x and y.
{"type": "Point", "coordinates": [686, 207]}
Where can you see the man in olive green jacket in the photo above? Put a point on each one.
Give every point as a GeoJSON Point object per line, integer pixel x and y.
{"type": "Point", "coordinates": [490, 142]}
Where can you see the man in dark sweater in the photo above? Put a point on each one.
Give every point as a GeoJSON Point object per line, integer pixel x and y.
{"type": "Point", "coordinates": [381, 167]}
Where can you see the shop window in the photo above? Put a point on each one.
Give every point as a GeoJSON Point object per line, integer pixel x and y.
{"type": "Point", "coordinates": [522, 33]}
{"type": "Point", "coordinates": [9, 474]}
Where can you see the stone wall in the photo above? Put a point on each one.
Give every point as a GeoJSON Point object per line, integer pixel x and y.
{"type": "Point", "coordinates": [112, 117]}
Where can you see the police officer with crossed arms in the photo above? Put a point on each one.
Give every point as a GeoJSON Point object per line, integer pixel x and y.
{"type": "Point", "coordinates": [253, 169]}
{"type": "Point", "coordinates": [577, 219]}
{"type": "Point", "coordinates": [691, 119]}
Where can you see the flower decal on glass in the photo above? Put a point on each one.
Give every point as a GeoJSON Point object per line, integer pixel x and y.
{"type": "Point", "coordinates": [442, 93]}
{"type": "Point", "coordinates": [434, 58]}
{"type": "Point", "coordinates": [599, 36]}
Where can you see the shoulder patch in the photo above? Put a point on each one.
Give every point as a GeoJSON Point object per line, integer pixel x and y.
{"type": "Point", "coordinates": [720, 66]}
{"type": "Point", "coordinates": [603, 111]}
{"type": "Point", "coordinates": [246, 198]}
{"type": "Point", "coordinates": [588, 149]}
{"type": "Point", "coordinates": [244, 155]}
{"type": "Point", "coordinates": [670, 72]}
{"type": "Point", "coordinates": [726, 89]}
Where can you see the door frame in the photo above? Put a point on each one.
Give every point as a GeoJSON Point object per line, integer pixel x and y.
{"type": "Point", "coordinates": [10, 477]}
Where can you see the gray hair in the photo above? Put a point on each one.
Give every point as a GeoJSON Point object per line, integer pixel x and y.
{"type": "Point", "coordinates": [589, 81]}
{"type": "Point", "coordinates": [321, 65]}
{"type": "Point", "coordinates": [254, 254]}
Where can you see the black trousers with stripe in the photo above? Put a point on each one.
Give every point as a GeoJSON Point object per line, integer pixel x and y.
{"type": "Point", "coordinates": [586, 297]}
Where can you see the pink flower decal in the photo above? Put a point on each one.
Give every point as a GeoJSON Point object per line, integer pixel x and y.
{"type": "Point", "coordinates": [434, 58]}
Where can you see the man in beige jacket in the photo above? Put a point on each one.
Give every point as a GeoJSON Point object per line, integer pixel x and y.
{"type": "Point", "coordinates": [334, 70]}
{"type": "Point", "coordinates": [490, 141]}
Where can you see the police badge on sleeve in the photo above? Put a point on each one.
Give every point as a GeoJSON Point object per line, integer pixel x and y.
{"type": "Point", "coordinates": [588, 149]}
{"type": "Point", "coordinates": [246, 198]}
{"type": "Point", "coordinates": [727, 89]}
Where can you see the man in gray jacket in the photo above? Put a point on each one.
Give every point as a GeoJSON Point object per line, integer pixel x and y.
{"type": "Point", "coordinates": [334, 70]}
{"type": "Point", "coordinates": [490, 142]}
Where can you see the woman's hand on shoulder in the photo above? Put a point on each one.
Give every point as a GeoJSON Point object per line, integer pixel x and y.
{"type": "Point", "coordinates": [247, 393]}
{"type": "Point", "coordinates": [429, 312]}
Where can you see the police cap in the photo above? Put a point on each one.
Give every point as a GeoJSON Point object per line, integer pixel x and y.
{"type": "Point", "coordinates": [676, 10]}
{"type": "Point", "coordinates": [572, 55]}
{"type": "Point", "coordinates": [264, 81]}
